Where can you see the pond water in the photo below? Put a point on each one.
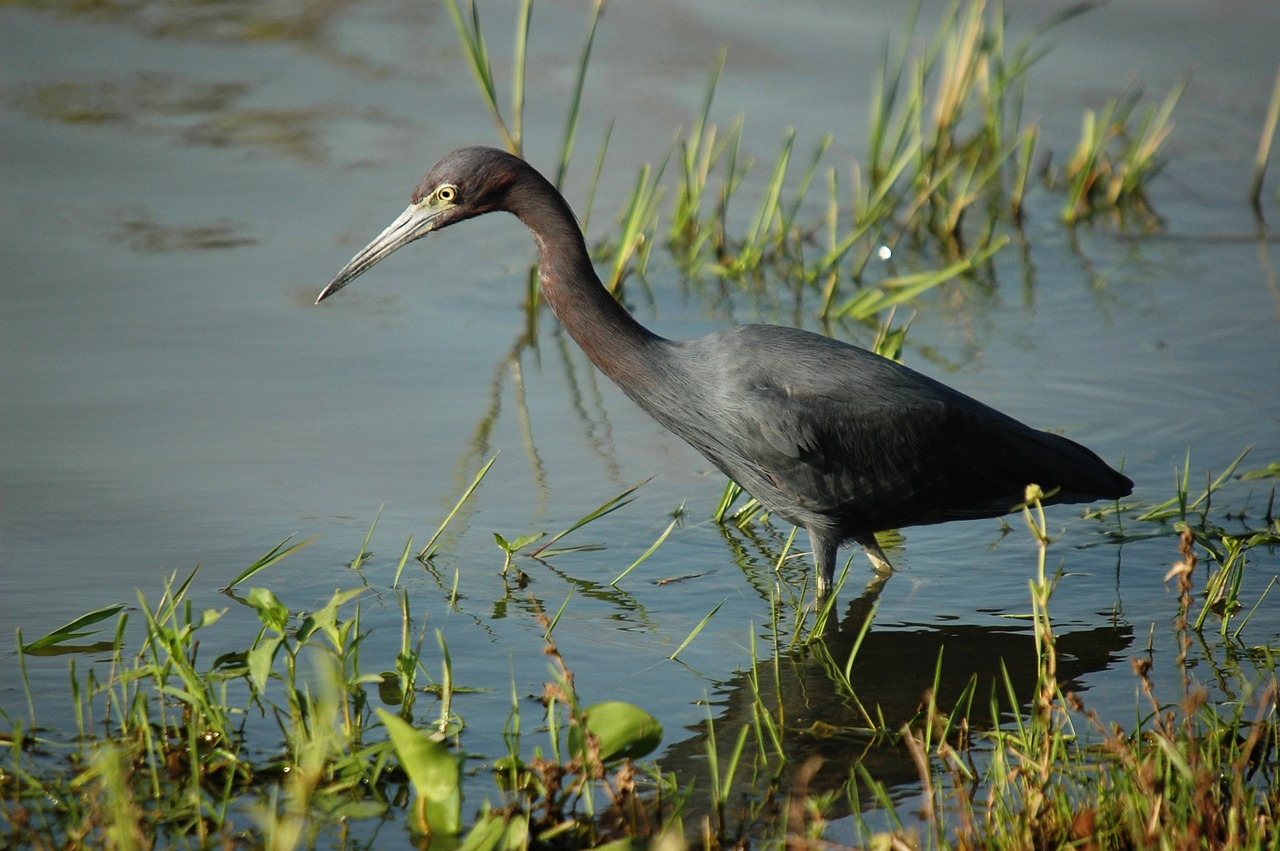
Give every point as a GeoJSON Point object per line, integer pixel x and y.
{"type": "Point", "coordinates": [180, 181]}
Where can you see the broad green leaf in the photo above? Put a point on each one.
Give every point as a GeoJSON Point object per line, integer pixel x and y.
{"type": "Point", "coordinates": [495, 832]}
{"type": "Point", "coordinates": [519, 543]}
{"type": "Point", "coordinates": [625, 731]}
{"type": "Point", "coordinates": [209, 617]}
{"type": "Point", "coordinates": [433, 771]}
{"type": "Point", "coordinates": [326, 619]}
{"type": "Point", "coordinates": [273, 614]}
{"type": "Point", "coordinates": [260, 658]}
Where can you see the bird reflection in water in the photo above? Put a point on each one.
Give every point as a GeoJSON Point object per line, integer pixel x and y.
{"type": "Point", "coordinates": [828, 732]}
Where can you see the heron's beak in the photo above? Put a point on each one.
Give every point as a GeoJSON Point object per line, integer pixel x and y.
{"type": "Point", "coordinates": [415, 222]}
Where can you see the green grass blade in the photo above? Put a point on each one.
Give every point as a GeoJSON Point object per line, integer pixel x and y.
{"type": "Point", "coordinates": [1264, 145]}
{"type": "Point", "coordinates": [732, 490]}
{"type": "Point", "coordinates": [894, 291]}
{"type": "Point", "coordinates": [697, 629]}
{"type": "Point", "coordinates": [472, 37]}
{"type": "Point", "coordinates": [277, 552]}
{"type": "Point", "coordinates": [1235, 636]}
{"type": "Point", "coordinates": [551, 626]}
{"type": "Point", "coordinates": [575, 99]}
{"type": "Point", "coordinates": [404, 558]}
{"type": "Point", "coordinates": [652, 549]}
{"type": "Point", "coordinates": [520, 54]}
{"type": "Point", "coordinates": [1179, 504]}
{"type": "Point", "coordinates": [73, 630]}
{"type": "Point", "coordinates": [430, 549]}
{"type": "Point", "coordinates": [595, 176]}
{"type": "Point", "coordinates": [610, 505]}
{"type": "Point", "coordinates": [857, 642]}
{"type": "Point", "coordinates": [364, 547]}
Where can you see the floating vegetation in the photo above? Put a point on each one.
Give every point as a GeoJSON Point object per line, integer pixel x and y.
{"type": "Point", "coordinates": [131, 102]}
{"type": "Point", "coordinates": [291, 133]}
{"type": "Point", "coordinates": [1117, 158]}
{"type": "Point", "coordinates": [140, 232]}
{"type": "Point", "coordinates": [234, 21]}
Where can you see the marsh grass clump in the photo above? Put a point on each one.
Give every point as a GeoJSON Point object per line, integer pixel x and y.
{"type": "Point", "coordinates": [1226, 542]}
{"type": "Point", "coordinates": [1046, 771]}
{"type": "Point", "coordinates": [948, 166]}
{"type": "Point", "coordinates": [284, 743]}
{"type": "Point", "coordinates": [1117, 157]}
{"type": "Point", "coordinates": [1189, 774]}
{"type": "Point", "coordinates": [178, 753]}
{"type": "Point", "coordinates": [945, 140]}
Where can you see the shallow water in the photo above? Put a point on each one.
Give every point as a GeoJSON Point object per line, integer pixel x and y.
{"type": "Point", "coordinates": [179, 182]}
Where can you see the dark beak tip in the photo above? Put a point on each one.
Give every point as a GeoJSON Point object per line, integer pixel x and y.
{"type": "Point", "coordinates": [332, 287]}
{"type": "Point", "coordinates": [409, 226]}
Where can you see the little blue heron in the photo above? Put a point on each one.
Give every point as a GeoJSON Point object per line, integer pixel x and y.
{"type": "Point", "coordinates": [831, 437]}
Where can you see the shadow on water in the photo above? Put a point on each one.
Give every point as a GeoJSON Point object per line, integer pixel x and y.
{"type": "Point", "coordinates": [834, 725]}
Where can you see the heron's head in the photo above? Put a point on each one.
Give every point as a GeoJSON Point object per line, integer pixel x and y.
{"type": "Point", "coordinates": [466, 183]}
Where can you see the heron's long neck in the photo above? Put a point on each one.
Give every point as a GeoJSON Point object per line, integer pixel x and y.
{"type": "Point", "coordinates": [616, 343]}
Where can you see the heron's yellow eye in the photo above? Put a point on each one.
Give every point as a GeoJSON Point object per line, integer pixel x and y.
{"type": "Point", "coordinates": [446, 194]}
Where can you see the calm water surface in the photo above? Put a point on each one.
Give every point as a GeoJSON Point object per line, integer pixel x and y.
{"type": "Point", "coordinates": [179, 182]}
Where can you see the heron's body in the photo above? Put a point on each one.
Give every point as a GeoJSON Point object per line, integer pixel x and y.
{"type": "Point", "coordinates": [831, 437]}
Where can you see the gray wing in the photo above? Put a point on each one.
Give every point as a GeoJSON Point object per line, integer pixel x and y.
{"type": "Point", "coordinates": [870, 468]}
{"type": "Point", "coordinates": [826, 433]}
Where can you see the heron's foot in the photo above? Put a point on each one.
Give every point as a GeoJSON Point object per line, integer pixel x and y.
{"type": "Point", "coordinates": [879, 561]}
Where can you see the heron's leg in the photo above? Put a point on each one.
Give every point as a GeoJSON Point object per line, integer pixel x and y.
{"type": "Point", "coordinates": [824, 560]}
{"type": "Point", "coordinates": [878, 559]}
